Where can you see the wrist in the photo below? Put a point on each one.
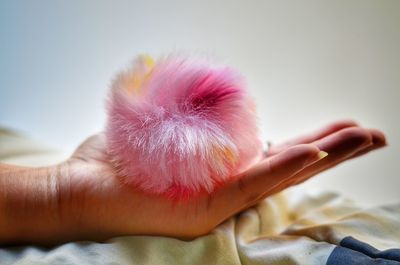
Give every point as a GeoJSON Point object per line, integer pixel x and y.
{"type": "Point", "coordinates": [29, 204]}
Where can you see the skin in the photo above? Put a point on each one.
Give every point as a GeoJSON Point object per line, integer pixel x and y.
{"type": "Point", "coordinates": [83, 198]}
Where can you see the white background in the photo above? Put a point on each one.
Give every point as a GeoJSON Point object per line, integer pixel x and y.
{"type": "Point", "coordinates": [307, 63]}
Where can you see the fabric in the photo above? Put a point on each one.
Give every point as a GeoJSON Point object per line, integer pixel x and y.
{"type": "Point", "coordinates": [292, 227]}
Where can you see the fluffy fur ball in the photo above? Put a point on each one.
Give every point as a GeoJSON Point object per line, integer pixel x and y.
{"type": "Point", "coordinates": [180, 126]}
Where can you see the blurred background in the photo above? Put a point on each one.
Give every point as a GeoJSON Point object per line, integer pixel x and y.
{"type": "Point", "coordinates": [307, 63]}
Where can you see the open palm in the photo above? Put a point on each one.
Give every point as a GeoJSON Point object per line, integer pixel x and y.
{"type": "Point", "coordinates": [92, 194]}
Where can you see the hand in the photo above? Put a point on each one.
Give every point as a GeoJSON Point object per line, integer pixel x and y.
{"type": "Point", "coordinates": [93, 195]}
{"type": "Point", "coordinates": [83, 199]}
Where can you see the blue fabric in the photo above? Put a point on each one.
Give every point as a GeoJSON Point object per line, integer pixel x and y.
{"type": "Point", "coordinates": [355, 252]}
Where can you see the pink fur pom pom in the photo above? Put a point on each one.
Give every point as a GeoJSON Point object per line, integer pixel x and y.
{"type": "Point", "coordinates": [180, 126]}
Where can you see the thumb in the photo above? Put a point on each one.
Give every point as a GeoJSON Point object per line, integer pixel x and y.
{"type": "Point", "coordinates": [93, 148]}
{"type": "Point", "coordinates": [252, 184]}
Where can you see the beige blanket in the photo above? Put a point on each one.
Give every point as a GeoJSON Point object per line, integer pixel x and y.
{"type": "Point", "coordinates": [292, 227]}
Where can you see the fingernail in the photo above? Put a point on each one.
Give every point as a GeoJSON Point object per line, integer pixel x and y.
{"type": "Point", "coordinates": [320, 155]}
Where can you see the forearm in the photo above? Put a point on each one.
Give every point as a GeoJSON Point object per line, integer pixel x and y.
{"type": "Point", "coordinates": [29, 205]}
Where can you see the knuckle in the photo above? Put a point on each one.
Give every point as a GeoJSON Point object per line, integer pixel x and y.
{"type": "Point", "coordinates": [357, 135]}
{"type": "Point", "coordinates": [249, 195]}
{"type": "Point", "coordinates": [269, 165]}
{"type": "Point", "coordinates": [343, 124]}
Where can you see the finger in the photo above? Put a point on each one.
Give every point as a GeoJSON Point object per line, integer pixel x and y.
{"type": "Point", "coordinates": [314, 136]}
{"type": "Point", "coordinates": [248, 186]}
{"type": "Point", "coordinates": [378, 140]}
{"type": "Point", "coordinates": [341, 146]}
{"type": "Point", "coordinates": [93, 148]}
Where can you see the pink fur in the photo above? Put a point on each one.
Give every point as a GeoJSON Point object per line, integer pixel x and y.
{"type": "Point", "coordinates": [181, 127]}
